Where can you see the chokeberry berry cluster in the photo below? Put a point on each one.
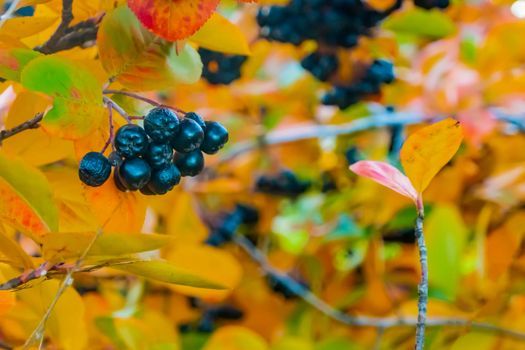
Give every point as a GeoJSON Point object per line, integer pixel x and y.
{"type": "Point", "coordinates": [285, 183]}
{"type": "Point", "coordinates": [333, 24]}
{"type": "Point", "coordinates": [219, 68]}
{"type": "Point", "coordinates": [330, 22]}
{"type": "Point", "coordinates": [153, 158]}
{"type": "Point", "coordinates": [378, 73]}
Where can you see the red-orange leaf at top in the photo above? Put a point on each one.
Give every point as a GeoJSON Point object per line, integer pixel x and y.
{"type": "Point", "coordinates": [173, 19]}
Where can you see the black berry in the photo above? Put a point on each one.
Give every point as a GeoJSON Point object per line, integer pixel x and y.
{"type": "Point", "coordinates": [215, 138]}
{"type": "Point", "coordinates": [94, 169]}
{"type": "Point", "coordinates": [164, 180]}
{"type": "Point", "coordinates": [189, 137]}
{"type": "Point", "coordinates": [189, 164]}
{"type": "Point", "coordinates": [161, 124]}
{"type": "Point", "coordinates": [197, 118]}
{"type": "Point", "coordinates": [134, 173]}
{"type": "Point", "coordinates": [131, 141]}
{"type": "Point", "coordinates": [285, 183]}
{"type": "Point", "coordinates": [220, 68]}
{"type": "Point", "coordinates": [159, 155]}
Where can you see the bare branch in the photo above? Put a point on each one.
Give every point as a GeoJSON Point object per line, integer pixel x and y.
{"type": "Point", "coordinates": [32, 123]}
{"type": "Point", "coordinates": [67, 17]}
{"type": "Point", "coordinates": [319, 131]}
{"type": "Point", "coordinates": [365, 321]}
{"type": "Point", "coordinates": [423, 284]}
{"type": "Point", "coordinates": [10, 11]}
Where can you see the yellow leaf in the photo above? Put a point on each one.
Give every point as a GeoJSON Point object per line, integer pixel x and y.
{"type": "Point", "coordinates": [26, 200]}
{"type": "Point", "coordinates": [61, 246]}
{"type": "Point", "coordinates": [29, 144]}
{"type": "Point", "coordinates": [7, 298]}
{"type": "Point", "coordinates": [183, 222]}
{"type": "Point", "coordinates": [24, 3]}
{"type": "Point", "coordinates": [219, 34]}
{"type": "Point", "coordinates": [211, 263]}
{"type": "Point", "coordinates": [66, 326]}
{"type": "Point", "coordinates": [75, 214]}
{"type": "Point", "coordinates": [21, 27]}
{"type": "Point", "coordinates": [163, 271]}
{"type": "Point", "coordinates": [12, 253]}
{"type": "Point", "coordinates": [235, 338]}
{"type": "Point", "coordinates": [427, 150]}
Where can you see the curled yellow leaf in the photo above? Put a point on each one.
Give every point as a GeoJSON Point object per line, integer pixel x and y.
{"type": "Point", "coordinates": [427, 150]}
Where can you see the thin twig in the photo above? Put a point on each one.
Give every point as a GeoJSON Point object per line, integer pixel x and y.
{"type": "Point", "coordinates": [116, 107]}
{"type": "Point", "coordinates": [67, 17]}
{"type": "Point", "coordinates": [320, 131]}
{"type": "Point", "coordinates": [38, 334]}
{"type": "Point", "coordinates": [111, 129]}
{"type": "Point", "coordinates": [9, 12]}
{"type": "Point", "coordinates": [423, 284]}
{"type": "Point", "coordinates": [133, 95]}
{"type": "Point", "coordinates": [32, 123]}
{"type": "Point", "coordinates": [144, 99]}
{"type": "Point", "coordinates": [365, 321]}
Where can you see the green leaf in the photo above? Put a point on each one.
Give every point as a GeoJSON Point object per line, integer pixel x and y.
{"type": "Point", "coordinates": [138, 59]}
{"type": "Point", "coordinates": [13, 59]}
{"type": "Point", "coordinates": [26, 200]}
{"type": "Point", "coordinates": [77, 96]}
{"type": "Point", "coordinates": [61, 246]}
{"type": "Point", "coordinates": [163, 271]}
{"type": "Point", "coordinates": [446, 236]}
{"type": "Point", "coordinates": [434, 23]}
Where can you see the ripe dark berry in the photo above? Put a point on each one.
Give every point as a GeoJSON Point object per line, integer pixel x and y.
{"type": "Point", "coordinates": [220, 68]}
{"type": "Point", "coordinates": [215, 138]}
{"type": "Point", "coordinates": [430, 4]}
{"type": "Point", "coordinates": [159, 155]}
{"type": "Point", "coordinates": [322, 66]}
{"type": "Point", "coordinates": [189, 137]}
{"type": "Point", "coordinates": [164, 180]}
{"type": "Point", "coordinates": [131, 141]}
{"type": "Point", "coordinates": [147, 191]}
{"type": "Point", "coordinates": [161, 124]}
{"type": "Point", "coordinates": [189, 164]}
{"type": "Point", "coordinates": [285, 183]}
{"type": "Point", "coordinates": [197, 118]}
{"type": "Point", "coordinates": [134, 173]}
{"type": "Point", "coordinates": [119, 182]}
{"type": "Point", "coordinates": [94, 169]}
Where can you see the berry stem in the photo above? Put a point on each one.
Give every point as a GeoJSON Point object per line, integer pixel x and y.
{"type": "Point", "coordinates": [111, 129]}
{"type": "Point", "coordinates": [133, 95]}
{"type": "Point", "coordinates": [144, 99]}
{"type": "Point", "coordinates": [119, 109]}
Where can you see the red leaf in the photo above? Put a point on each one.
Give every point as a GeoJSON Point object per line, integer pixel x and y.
{"type": "Point", "coordinates": [386, 175]}
{"type": "Point", "coordinates": [173, 19]}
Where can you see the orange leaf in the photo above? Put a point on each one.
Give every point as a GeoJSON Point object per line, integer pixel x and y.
{"type": "Point", "coordinates": [115, 210]}
{"type": "Point", "coordinates": [173, 19]}
{"type": "Point", "coordinates": [426, 151]}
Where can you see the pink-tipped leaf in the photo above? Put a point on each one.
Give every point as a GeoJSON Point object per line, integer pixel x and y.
{"type": "Point", "coordinates": [386, 175]}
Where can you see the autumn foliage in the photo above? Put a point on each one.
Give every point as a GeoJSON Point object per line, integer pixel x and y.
{"type": "Point", "coordinates": [362, 185]}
